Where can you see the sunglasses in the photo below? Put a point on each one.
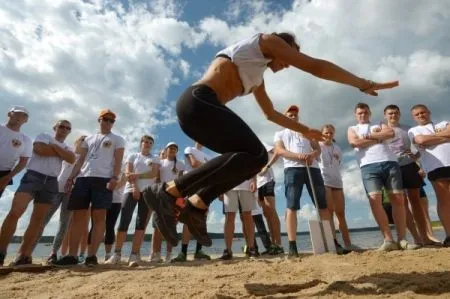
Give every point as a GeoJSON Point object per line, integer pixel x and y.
{"type": "Point", "coordinates": [64, 127]}
{"type": "Point", "coordinates": [108, 120]}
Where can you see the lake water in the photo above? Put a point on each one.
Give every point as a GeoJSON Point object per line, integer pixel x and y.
{"type": "Point", "coordinates": [363, 239]}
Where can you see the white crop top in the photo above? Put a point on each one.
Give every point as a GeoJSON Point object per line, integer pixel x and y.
{"type": "Point", "coordinates": [250, 61]}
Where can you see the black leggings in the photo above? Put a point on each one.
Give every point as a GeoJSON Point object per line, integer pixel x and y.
{"type": "Point", "coordinates": [262, 231]}
{"type": "Point", "coordinates": [127, 213]}
{"type": "Point", "coordinates": [203, 118]}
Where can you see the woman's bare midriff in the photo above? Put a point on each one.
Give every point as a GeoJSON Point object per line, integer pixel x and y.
{"type": "Point", "coordinates": [223, 77]}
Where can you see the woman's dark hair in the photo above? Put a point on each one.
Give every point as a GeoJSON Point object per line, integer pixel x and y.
{"type": "Point", "coordinates": [288, 38]}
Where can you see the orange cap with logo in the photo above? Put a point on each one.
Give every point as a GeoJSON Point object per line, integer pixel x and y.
{"type": "Point", "coordinates": [107, 113]}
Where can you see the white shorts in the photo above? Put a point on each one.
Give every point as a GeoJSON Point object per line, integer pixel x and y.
{"type": "Point", "coordinates": [235, 198]}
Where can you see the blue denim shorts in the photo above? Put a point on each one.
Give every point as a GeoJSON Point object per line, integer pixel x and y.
{"type": "Point", "coordinates": [90, 191]}
{"type": "Point", "coordinates": [43, 188]}
{"type": "Point", "coordinates": [387, 174]}
{"type": "Point", "coordinates": [295, 178]}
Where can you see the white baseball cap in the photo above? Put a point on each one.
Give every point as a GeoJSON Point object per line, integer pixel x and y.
{"type": "Point", "coordinates": [171, 143]}
{"type": "Point", "coordinates": [19, 109]}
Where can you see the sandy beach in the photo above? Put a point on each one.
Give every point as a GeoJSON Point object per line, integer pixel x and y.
{"type": "Point", "coordinates": [415, 274]}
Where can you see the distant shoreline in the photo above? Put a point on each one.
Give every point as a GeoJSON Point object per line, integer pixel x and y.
{"type": "Point", "coordinates": [148, 237]}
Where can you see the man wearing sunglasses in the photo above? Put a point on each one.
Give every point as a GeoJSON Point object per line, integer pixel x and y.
{"type": "Point", "coordinates": [39, 183]}
{"type": "Point", "coordinates": [97, 171]}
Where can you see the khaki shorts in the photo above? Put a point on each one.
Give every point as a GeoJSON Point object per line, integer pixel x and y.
{"type": "Point", "coordinates": [234, 199]}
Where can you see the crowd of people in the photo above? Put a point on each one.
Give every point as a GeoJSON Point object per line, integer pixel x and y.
{"type": "Point", "coordinates": [94, 187]}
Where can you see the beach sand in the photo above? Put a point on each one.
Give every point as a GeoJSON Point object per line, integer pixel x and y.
{"type": "Point", "coordinates": [424, 273]}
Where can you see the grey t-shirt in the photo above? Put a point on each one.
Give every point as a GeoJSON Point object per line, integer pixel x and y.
{"type": "Point", "coordinates": [401, 143]}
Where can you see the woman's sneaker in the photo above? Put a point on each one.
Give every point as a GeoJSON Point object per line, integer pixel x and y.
{"type": "Point", "coordinates": [155, 257]}
{"type": "Point", "coordinates": [53, 258]}
{"type": "Point", "coordinates": [91, 261]}
{"type": "Point", "coordinates": [227, 255]}
{"type": "Point", "coordinates": [405, 245]}
{"type": "Point", "coordinates": [115, 259]}
{"type": "Point", "coordinates": [168, 257]}
{"type": "Point", "coordinates": [276, 250]}
{"type": "Point", "coordinates": [134, 260]}
{"type": "Point", "coordinates": [67, 260]}
{"type": "Point", "coordinates": [388, 246]}
{"type": "Point", "coordinates": [22, 261]}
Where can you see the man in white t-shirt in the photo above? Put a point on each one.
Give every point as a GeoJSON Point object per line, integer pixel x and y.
{"type": "Point", "coordinates": [195, 157]}
{"type": "Point", "coordinates": [379, 168]}
{"type": "Point", "coordinates": [97, 174]}
{"type": "Point", "coordinates": [39, 183]}
{"type": "Point", "coordinates": [297, 152]}
{"type": "Point", "coordinates": [15, 147]}
{"type": "Point", "coordinates": [412, 181]}
{"type": "Point", "coordinates": [433, 142]}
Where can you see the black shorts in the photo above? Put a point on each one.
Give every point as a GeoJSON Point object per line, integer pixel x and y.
{"type": "Point", "coordinates": [411, 177]}
{"type": "Point", "coordinates": [2, 174]}
{"type": "Point", "coordinates": [90, 190]}
{"type": "Point", "coordinates": [267, 189]}
{"type": "Point", "coordinates": [439, 174]}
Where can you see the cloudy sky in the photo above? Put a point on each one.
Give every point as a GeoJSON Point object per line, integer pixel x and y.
{"type": "Point", "coordinates": [68, 59]}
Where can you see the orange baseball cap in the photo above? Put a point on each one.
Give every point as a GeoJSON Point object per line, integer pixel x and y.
{"type": "Point", "coordinates": [292, 108]}
{"type": "Point", "coordinates": [107, 112]}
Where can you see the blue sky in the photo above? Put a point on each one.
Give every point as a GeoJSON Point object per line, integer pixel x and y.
{"type": "Point", "coordinates": [68, 59]}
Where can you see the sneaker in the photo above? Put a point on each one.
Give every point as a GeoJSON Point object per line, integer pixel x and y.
{"type": "Point", "coordinates": [195, 219]}
{"type": "Point", "coordinates": [115, 259]}
{"type": "Point", "coordinates": [2, 258]}
{"type": "Point", "coordinates": [181, 257]}
{"type": "Point", "coordinates": [155, 257]}
{"type": "Point", "coordinates": [164, 207]}
{"type": "Point", "coordinates": [67, 260]}
{"type": "Point", "coordinates": [244, 249]}
{"type": "Point", "coordinates": [91, 261]}
{"type": "Point", "coordinates": [353, 247]}
{"type": "Point", "coordinates": [200, 255]}
{"type": "Point", "coordinates": [227, 255]}
{"type": "Point", "coordinates": [81, 259]}
{"type": "Point", "coordinates": [446, 242]}
{"type": "Point", "coordinates": [293, 252]}
{"type": "Point", "coordinates": [107, 256]}
{"type": "Point", "coordinates": [21, 261]}
{"type": "Point", "coordinates": [388, 246]}
{"type": "Point", "coordinates": [252, 253]}
{"type": "Point", "coordinates": [405, 245]}
{"type": "Point", "coordinates": [276, 250]}
{"type": "Point", "coordinates": [168, 257]}
{"type": "Point", "coordinates": [134, 260]}
{"type": "Point", "coordinates": [53, 258]}
{"type": "Point", "coordinates": [339, 249]}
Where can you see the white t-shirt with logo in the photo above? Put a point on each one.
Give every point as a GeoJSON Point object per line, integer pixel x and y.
{"type": "Point", "coordinates": [268, 176]}
{"type": "Point", "coordinates": [141, 164]}
{"type": "Point", "coordinates": [13, 145]}
{"type": "Point", "coordinates": [294, 143]}
{"type": "Point", "coordinates": [198, 155]}
{"type": "Point", "coordinates": [432, 156]}
{"type": "Point", "coordinates": [330, 164]}
{"type": "Point", "coordinates": [166, 173]}
{"type": "Point", "coordinates": [66, 170]}
{"type": "Point", "coordinates": [50, 166]}
{"type": "Point", "coordinates": [376, 153]}
{"type": "Point", "coordinates": [100, 156]}
{"type": "Point", "coordinates": [401, 143]}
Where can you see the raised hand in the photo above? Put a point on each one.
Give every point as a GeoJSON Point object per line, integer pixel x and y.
{"type": "Point", "coordinates": [372, 87]}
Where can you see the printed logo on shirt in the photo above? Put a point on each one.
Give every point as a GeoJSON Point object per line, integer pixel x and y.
{"type": "Point", "coordinates": [149, 162]}
{"type": "Point", "coordinates": [16, 143]}
{"type": "Point", "coordinates": [107, 144]}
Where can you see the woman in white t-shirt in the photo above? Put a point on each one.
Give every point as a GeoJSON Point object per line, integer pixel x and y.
{"type": "Point", "coordinates": [330, 167]}
{"type": "Point", "coordinates": [142, 168]}
{"type": "Point", "coordinates": [170, 169]}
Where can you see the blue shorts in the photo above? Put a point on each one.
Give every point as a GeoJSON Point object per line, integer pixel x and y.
{"type": "Point", "coordinates": [90, 191]}
{"type": "Point", "coordinates": [387, 174]}
{"type": "Point", "coordinates": [43, 188]}
{"type": "Point", "coordinates": [295, 178]}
